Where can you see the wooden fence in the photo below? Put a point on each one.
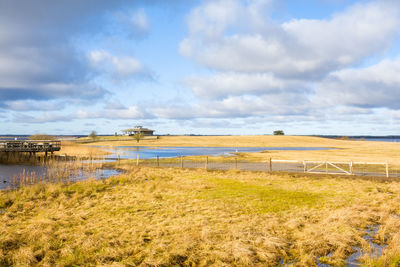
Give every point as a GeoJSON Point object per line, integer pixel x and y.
{"type": "Point", "coordinates": [304, 166]}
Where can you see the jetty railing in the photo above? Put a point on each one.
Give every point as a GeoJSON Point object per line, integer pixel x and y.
{"type": "Point", "coordinates": [30, 146]}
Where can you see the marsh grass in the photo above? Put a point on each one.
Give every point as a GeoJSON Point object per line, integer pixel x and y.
{"type": "Point", "coordinates": [18, 158]}
{"type": "Point", "coordinates": [80, 151]}
{"type": "Point", "coordinates": [166, 217]}
{"type": "Point", "coordinates": [56, 171]}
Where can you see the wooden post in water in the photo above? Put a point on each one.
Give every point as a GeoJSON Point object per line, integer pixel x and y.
{"type": "Point", "coordinates": [270, 164]}
{"type": "Point", "coordinates": [206, 166]}
{"type": "Point", "coordinates": [158, 161]}
{"type": "Point", "coordinates": [326, 166]}
{"type": "Point", "coordinates": [387, 169]}
{"type": "Point", "coordinates": [305, 166]}
{"type": "Point", "coordinates": [181, 162]}
{"type": "Point", "coordinates": [137, 160]}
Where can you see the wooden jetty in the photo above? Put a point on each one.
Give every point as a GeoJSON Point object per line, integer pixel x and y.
{"type": "Point", "coordinates": [30, 146]}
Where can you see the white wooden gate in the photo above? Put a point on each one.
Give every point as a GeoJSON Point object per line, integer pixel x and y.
{"type": "Point", "coordinates": [328, 167]}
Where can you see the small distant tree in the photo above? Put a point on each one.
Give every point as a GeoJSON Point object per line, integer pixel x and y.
{"type": "Point", "coordinates": [41, 137]}
{"type": "Point", "coordinates": [279, 132]}
{"type": "Point", "coordinates": [138, 136]}
{"type": "Point", "coordinates": [93, 135]}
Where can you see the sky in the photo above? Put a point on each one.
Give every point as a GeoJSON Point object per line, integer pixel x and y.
{"type": "Point", "coordinates": [311, 67]}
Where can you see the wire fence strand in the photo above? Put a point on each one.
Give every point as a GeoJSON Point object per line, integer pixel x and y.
{"type": "Point", "coordinates": [298, 166]}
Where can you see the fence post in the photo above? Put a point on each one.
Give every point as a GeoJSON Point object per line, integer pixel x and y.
{"type": "Point", "coordinates": [181, 162]}
{"type": "Point", "coordinates": [119, 159]}
{"type": "Point", "coordinates": [158, 161]}
{"type": "Point", "coordinates": [235, 163]}
{"type": "Point", "coordinates": [387, 169]}
{"type": "Point", "coordinates": [351, 168]}
{"type": "Point", "coordinates": [326, 166]}
{"type": "Point", "coordinates": [305, 166]}
{"type": "Point", "coordinates": [270, 164]}
{"type": "Point", "coordinates": [206, 166]}
{"type": "Point", "coordinates": [137, 160]}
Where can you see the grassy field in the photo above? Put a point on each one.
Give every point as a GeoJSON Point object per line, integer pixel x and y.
{"type": "Point", "coordinates": [218, 141]}
{"type": "Point", "coordinates": [166, 217]}
{"type": "Point", "coordinates": [79, 150]}
{"type": "Point", "coordinates": [344, 150]}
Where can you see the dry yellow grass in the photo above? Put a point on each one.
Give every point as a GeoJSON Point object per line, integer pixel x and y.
{"type": "Point", "coordinates": [345, 150]}
{"type": "Point", "coordinates": [228, 141]}
{"type": "Point", "coordinates": [77, 150]}
{"type": "Point", "coordinates": [166, 217]}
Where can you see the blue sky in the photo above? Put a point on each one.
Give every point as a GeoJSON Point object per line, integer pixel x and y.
{"type": "Point", "coordinates": [200, 67]}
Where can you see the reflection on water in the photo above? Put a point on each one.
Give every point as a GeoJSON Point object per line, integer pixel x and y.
{"type": "Point", "coordinates": [377, 249]}
{"type": "Point", "coordinates": [144, 152]}
{"type": "Point", "coordinates": [12, 174]}
{"type": "Point", "coordinates": [8, 172]}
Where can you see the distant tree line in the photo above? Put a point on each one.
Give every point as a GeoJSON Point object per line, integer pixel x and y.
{"type": "Point", "coordinates": [41, 137]}
{"type": "Point", "coordinates": [279, 132]}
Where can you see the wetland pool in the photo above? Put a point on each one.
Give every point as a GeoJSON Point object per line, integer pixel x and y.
{"type": "Point", "coordinates": [9, 172]}
{"type": "Point", "coordinates": [147, 152]}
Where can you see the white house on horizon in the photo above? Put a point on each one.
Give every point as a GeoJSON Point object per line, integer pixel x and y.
{"type": "Point", "coordinates": [138, 130]}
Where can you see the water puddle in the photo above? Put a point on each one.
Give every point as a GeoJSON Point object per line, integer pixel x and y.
{"type": "Point", "coordinates": [354, 260]}
{"type": "Point", "coordinates": [98, 174]}
{"type": "Point", "coordinates": [377, 249]}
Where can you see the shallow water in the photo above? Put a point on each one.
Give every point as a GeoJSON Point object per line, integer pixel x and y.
{"type": "Point", "coordinates": [377, 249]}
{"type": "Point", "coordinates": [354, 259]}
{"type": "Point", "coordinates": [144, 152]}
{"type": "Point", "coordinates": [8, 172]}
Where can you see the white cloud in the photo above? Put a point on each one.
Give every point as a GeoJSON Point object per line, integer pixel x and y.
{"type": "Point", "coordinates": [137, 23]}
{"type": "Point", "coordinates": [128, 113]}
{"type": "Point", "coordinates": [42, 118]}
{"type": "Point", "coordinates": [235, 84]}
{"type": "Point", "coordinates": [140, 22]}
{"type": "Point", "coordinates": [123, 67]}
{"type": "Point", "coordinates": [39, 54]}
{"type": "Point", "coordinates": [297, 48]}
{"type": "Point", "coordinates": [112, 113]}
{"type": "Point", "coordinates": [371, 87]}
{"type": "Point", "coordinates": [280, 104]}
{"type": "Point", "coordinates": [212, 19]}
{"type": "Point", "coordinates": [38, 61]}
{"type": "Point", "coordinates": [32, 105]}
{"type": "Point", "coordinates": [301, 69]}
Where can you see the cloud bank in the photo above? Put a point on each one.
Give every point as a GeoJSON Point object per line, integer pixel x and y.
{"type": "Point", "coordinates": [251, 63]}
{"type": "Point", "coordinates": [300, 67]}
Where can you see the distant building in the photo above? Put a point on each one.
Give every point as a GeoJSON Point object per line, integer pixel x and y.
{"type": "Point", "coordinates": [138, 130]}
